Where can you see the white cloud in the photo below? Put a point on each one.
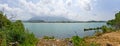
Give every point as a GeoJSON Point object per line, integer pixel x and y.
{"type": "Point", "coordinates": [86, 4]}
{"type": "Point", "coordinates": [27, 9]}
{"type": "Point", "coordinates": [19, 13]}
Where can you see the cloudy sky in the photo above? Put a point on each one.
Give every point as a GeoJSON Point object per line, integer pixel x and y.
{"type": "Point", "coordinates": [79, 10]}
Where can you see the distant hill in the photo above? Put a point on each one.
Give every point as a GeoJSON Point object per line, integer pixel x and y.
{"type": "Point", "coordinates": [49, 18]}
{"type": "Point", "coordinates": [55, 19]}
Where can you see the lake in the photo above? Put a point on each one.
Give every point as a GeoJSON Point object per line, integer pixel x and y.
{"type": "Point", "coordinates": [61, 30]}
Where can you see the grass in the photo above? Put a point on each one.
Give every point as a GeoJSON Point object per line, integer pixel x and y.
{"type": "Point", "coordinates": [48, 37]}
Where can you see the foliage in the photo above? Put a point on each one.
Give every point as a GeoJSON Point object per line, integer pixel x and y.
{"type": "Point", "coordinates": [77, 41]}
{"type": "Point", "coordinates": [47, 37]}
{"type": "Point", "coordinates": [115, 23]}
{"type": "Point", "coordinates": [106, 29]}
{"type": "Point", "coordinates": [14, 32]}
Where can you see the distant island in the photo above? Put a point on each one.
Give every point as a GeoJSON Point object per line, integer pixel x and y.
{"type": "Point", "coordinates": [56, 19]}
{"type": "Point", "coordinates": [42, 21]}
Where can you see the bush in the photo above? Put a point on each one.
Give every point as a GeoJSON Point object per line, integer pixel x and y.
{"type": "Point", "coordinates": [77, 41]}
{"type": "Point", "coordinates": [14, 32]}
{"type": "Point", "coordinates": [107, 29]}
{"type": "Point", "coordinates": [47, 37]}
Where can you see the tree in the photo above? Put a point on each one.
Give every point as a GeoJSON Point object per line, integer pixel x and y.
{"type": "Point", "coordinates": [115, 23]}
{"type": "Point", "coordinates": [4, 22]}
{"type": "Point", "coordinates": [14, 32]}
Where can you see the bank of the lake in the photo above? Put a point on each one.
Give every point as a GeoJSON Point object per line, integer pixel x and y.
{"type": "Point", "coordinates": [105, 39]}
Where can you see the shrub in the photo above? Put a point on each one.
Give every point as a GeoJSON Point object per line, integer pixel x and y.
{"type": "Point", "coordinates": [47, 37]}
{"type": "Point", "coordinates": [77, 41]}
{"type": "Point", "coordinates": [12, 32]}
{"type": "Point", "coordinates": [107, 29]}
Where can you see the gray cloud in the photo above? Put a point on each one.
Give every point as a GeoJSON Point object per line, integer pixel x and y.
{"type": "Point", "coordinates": [88, 7]}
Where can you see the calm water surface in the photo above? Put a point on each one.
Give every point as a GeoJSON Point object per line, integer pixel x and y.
{"type": "Point", "coordinates": [61, 30]}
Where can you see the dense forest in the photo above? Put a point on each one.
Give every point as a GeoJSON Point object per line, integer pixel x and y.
{"type": "Point", "coordinates": [14, 33]}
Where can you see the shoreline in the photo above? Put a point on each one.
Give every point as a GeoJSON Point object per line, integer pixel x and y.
{"type": "Point", "coordinates": [110, 38]}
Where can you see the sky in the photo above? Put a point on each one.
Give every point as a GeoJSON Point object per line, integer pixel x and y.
{"type": "Point", "coordinates": [78, 10]}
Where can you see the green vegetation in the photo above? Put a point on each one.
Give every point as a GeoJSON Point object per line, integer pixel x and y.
{"type": "Point", "coordinates": [47, 37]}
{"type": "Point", "coordinates": [77, 41]}
{"type": "Point", "coordinates": [14, 33]}
{"type": "Point", "coordinates": [106, 29]}
{"type": "Point", "coordinates": [115, 23]}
